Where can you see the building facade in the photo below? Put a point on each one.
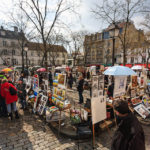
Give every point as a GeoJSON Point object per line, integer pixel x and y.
{"type": "Point", "coordinates": [98, 48]}
{"type": "Point", "coordinates": [11, 51]}
{"type": "Point", "coordinates": [56, 54]}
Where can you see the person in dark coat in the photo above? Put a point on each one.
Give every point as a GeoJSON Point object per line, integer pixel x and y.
{"type": "Point", "coordinates": [80, 89]}
{"type": "Point", "coordinates": [50, 78]}
{"type": "Point", "coordinates": [70, 80]}
{"type": "Point", "coordinates": [129, 134]}
{"type": "Point", "coordinates": [88, 75]}
{"type": "Point", "coordinates": [22, 94]}
{"type": "Point", "coordinates": [3, 109]}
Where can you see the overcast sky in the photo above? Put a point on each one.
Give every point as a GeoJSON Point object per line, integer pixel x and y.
{"type": "Point", "coordinates": [86, 22]}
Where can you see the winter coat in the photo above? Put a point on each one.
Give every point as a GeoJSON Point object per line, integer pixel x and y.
{"type": "Point", "coordinates": [129, 135]}
{"type": "Point", "coordinates": [80, 85]}
{"type": "Point", "coordinates": [50, 79]}
{"type": "Point", "coordinates": [110, 90]}
{"type": "Point", "coordinates": [21, 87]}
{"type": "Point", "coordinates": [6, 94]}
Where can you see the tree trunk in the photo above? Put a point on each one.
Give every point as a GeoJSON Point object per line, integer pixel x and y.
{"type": "Point", "coordinates": [22, 57]}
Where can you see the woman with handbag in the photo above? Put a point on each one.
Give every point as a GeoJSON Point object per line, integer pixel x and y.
{"type": "Point", "coordinates": [9, 92]}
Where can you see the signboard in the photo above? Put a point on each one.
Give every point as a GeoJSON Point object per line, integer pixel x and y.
{"type": "Point", "coordinates": [98, 109]}
{"type": "Point", "coordinates": [98, 102]}
{"type": "Point", "coordinates": [120, 85]}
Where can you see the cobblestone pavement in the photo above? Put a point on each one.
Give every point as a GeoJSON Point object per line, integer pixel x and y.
{"type": "Point", "coordinates": [30, 132]}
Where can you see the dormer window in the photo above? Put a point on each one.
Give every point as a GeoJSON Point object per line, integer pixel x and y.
{"type": "Point", "coordinates": [3, 33]}
{"type": "Point", "coordinates": [4, 43]}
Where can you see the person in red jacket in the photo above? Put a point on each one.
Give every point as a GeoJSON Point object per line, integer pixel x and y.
{"type": "Point", "coordinates": [10, 99]}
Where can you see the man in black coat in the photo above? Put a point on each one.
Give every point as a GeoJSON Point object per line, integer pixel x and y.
{"type": "Point", "coordinates": [22, 94]}
{"type": "Point", "coordinates": [129, 134]}
{"type": "Point", "coordinates": [80, 89]}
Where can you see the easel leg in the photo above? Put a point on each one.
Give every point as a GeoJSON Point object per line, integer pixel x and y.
{"type": "Point", "coordinates": [59, 123]}
{"type": "Point", "coordinates": [93, 137]}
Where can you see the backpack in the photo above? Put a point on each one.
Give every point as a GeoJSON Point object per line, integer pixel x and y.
{"type": "Point", "coordinates": [12, 91]}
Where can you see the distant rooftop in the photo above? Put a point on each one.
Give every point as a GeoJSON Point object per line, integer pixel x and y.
{"type": "Point", "coordinates": [10, 34]}
{"type": "Point", "coordinates": [39, 46]}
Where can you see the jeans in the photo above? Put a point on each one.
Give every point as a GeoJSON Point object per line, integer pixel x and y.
{"type": "Point", "coordinates": [80, 97]}
{"type": "Point", "coordinates": [23, 103]}
{"type": "Point", "coordinates": [11, 107]}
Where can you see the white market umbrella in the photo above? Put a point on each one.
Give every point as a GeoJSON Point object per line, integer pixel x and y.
{"type": "Point", "coordinates": [137, 67]}
{"type": "Point", "coordinates": [119, 71]}
{"type": "Point", "coordinates": [58, 68]}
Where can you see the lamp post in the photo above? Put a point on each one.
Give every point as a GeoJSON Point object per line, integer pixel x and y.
{"type": "Point", "coordinates": [113, 32]}
{"type": "Point", "coordinates": [26, 50]}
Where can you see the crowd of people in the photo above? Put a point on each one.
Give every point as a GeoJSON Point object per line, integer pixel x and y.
{"type": "Point", "coordinates": [129, 134]}
{"type": "Point", "coordinates": [10, 92]}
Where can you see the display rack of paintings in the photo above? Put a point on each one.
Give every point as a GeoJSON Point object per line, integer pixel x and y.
{"type": "Point", "coordinates": [98, 102]}
{"type": "Point", "coordinates": [41, 104]}
{"type": "Point", "coordinates": [142, 111]}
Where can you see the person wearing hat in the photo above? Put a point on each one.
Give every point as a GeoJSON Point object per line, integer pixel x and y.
{"type": "Point", "coordinates": [22, 94]}
{"type": "Point", "coordinates": [129, 134]}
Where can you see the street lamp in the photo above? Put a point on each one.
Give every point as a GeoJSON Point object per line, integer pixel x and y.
{"type": "Point", "coordinates": [26, 50]}
{"type": "Point", "coordinates": [113, 32]}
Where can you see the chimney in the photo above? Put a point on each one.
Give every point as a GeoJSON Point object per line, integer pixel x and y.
{"type": "Point", "coordinates": [15, 29]}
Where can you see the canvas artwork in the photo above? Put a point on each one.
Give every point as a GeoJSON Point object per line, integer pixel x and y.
{"type": "Point", "coordinates": [136, 101]}
{"type": "Point", "coordinates": [61, 80]}
{"type": "Point", "coordinates": [95, 86]}
{"type": "Point", "coordinates": [142, 111]}
{"type": "Point", "coordinates": [120, 86]}
{"type": "Point", "coordinates": [35, 84]}
{"type": "Point", "coordinates": [101, 92]}
{"type": "Point", "coordinates": [142, 81]}
{"type": "Point", "coordinates": [133, 93]}
{"type": "Point", "coordinates": [146, 102]}
{"type": "Point", "coordinates": [134, 80]}
{"type": "Point", "coordinates": [98, 106]}
{"type": "Point", "coordinates": [42, 104]}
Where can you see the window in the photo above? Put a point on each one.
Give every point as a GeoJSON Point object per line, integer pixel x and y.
{"type": "Point", "coordinates": [32, 53]}
{"type": "Point", "coordinates": [100, 37]}
{"type": "Point", "coordinates": [13, 44]}
{"type": "Point", "coordinates": [14, 61]}
{"type": "Point", "coordinates": [120, 30]}
{"type": "Point", "coordinates": [5, 52]}
{"type": "Point", "coordinates": [132, 60]}
{"type": "Point", "coordinates": [38, 54]}
{"type": "Point", "coordinates": [13, 52]}
{"type": "Point", "coordinates": [57, 61]}
{"type": "Point", "coordinates": [105, 35]}
{"type": "Point", "coordinates": [4, 43]}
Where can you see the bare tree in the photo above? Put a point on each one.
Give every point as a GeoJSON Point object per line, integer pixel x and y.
{"type": "Point", "coordinates": [45, 18]}
{"type": "Point", "coordinates": [114, 11]}
{"type": "Point", "coordinates": [76, 45]}
{"type": "Point", "coordinates": [24, 32]}
{"type": "Point", "coordinates": [55, 47]}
